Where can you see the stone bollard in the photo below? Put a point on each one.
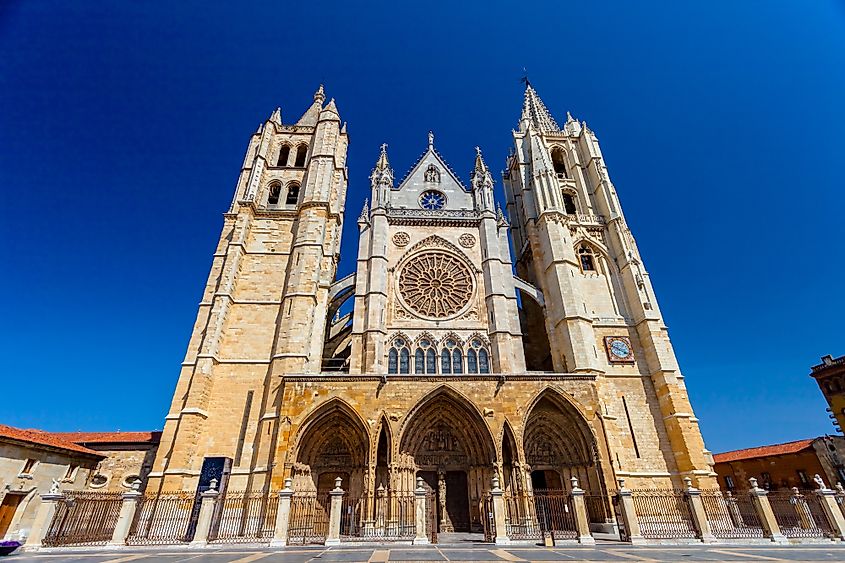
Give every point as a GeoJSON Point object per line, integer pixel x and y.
{"type": "Point", "coordinates": [280, 532]}
{"type": "Point", "coordinates": [420, 513]}
{"type": "Point", "coordinates": [582, 520]}
{"type": "Point", "coordinates": [699, 516]}
{"type": "Point", "coordinates": [499, 514]}
{"type": "Point", "coordinates": [625, 498]}
{"type": "Point", "coordinates": [760, 500]}
{"type": "Point", "coordinates": [127, 515]}
{"type": "Point", "coordinates": [43, 518]}
{"type": "Point", "coordinates": [208, 502]}
{"type": "Point", "coordinates": [333, 536]}
{"type": "Point", "coordinates": [832, 511]}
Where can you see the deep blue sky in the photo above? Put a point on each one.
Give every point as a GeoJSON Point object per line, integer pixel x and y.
{"type": "Point", "coordinates": [123, 126]}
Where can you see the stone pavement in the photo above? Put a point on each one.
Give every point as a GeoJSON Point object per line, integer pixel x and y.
{"type": "Point", "coordinates": [383, 554]}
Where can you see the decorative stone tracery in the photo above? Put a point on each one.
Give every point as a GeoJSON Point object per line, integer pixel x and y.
{"type": "Point", "coordinates": [436, 284]}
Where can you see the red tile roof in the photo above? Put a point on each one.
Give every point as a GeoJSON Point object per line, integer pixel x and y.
{"type": "Point", "coordinates": [764, 451]}
{"type": "Point", "coordinates": [110, 437]}
{"type": "Point", "coordinates": [42, 438]}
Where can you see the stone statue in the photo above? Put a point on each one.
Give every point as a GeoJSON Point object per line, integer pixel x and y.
{"type": "Point", "coordinates": [819, 481]}
{"type": "Point", "coordinates": [54, 488]}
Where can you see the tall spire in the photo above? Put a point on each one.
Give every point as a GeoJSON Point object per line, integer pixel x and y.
{"type": "Point", "coordinates": [534, 112]}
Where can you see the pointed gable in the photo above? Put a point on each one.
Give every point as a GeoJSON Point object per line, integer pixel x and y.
{"type": "Point", "coordinates": [431, 172]}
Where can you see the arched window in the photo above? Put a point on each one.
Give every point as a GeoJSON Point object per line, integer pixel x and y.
{"type": "Point", "coordinates": [284, 155]}
{"type": "Point", "coordinates": [404, 361]}
{"type": "Point", "coordinates": [569, 204]}
{"type": "Point", "coordinates": [301, 151]}
{"type": "Point", "coordinates": [393, 361]}
{"type": "Point", "coordinates": [425, 358]}
{"type": "Point", "coordinates": [430, 361]}
{"type": "Point", "coordinates": [273, 198]}
{"type": "Point", "coordinates": [472, 361]}
{"type": "Point", "coordinates": [483, 361]}
{"type": "Point", "coordinates": [445, 361]}
{"type": "Point", "coordinates": [457, 362]}
{"type": "Point", "coordinates": [587, 258]}
{"type": "Point", "coordinates": [293, 194]}
{"type": "Point", "coordinates": [558, 161]}
{"type": "Point", "coordinates": [419, 361]}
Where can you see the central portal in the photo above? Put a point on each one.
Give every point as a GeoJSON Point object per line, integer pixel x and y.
{"type": "Point", "coordinates": [448, 444]}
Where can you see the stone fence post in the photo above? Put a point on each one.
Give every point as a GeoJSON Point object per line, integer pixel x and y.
{"type": "Point", "coordinates": [625, 498]}
{"type": "Point", "coordinates": [127, 515]}
{"type": "Point", "coordinates": [333, 536]}
{"type": "Point", "coordinates": [280, 532]}
{"type": "Point", "coordinates": [831, 508]}
{"type": "Point", "coordinates": [699, 515]}
{"type": "Point", "coordinates": [582, 520]}
{"type": "Point", "coordinates": [208, 502]}
{"type": "Point", "coordinates": [760, 500]}
{"type": "Point", "coordinates": [43, 518]}
{"type": "Point", "coordinates": [420, 513]}
{"type": "Point", "coordinates": [499, 515]}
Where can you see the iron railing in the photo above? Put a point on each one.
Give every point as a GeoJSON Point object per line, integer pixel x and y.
{"type": "Point", "coordinates": [164, 518]}
{"type": "Point", "coordinates": [663, 514]}
{"type": "Point", "coordinates": [599, 507]}
{"type": "Point", "coordinates": [544, 511]}
{"type": "Point", "coordinates": [799, 515]}
{"type": "Point", "coordinates": [84, 518]}
{"type": "Point", "coordinates": [309, 518]}
{"type": "Point", "coordinates": [729, 516]}
{"type": "Point", "coordinates": [244, 517]}
{"type": "Point", "coordinates": [384, 518]}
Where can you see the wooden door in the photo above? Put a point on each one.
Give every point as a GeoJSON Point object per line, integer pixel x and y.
{"type": "Point", "coordinates": [7, 511]}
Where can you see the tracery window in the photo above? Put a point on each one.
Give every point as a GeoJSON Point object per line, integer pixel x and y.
{"type": "Point", "coordinates": [478, 359]}
{"type": "Point", "coordinates": [569, 204]}
{"type": "Point", "coordinates": [587, 258]}
{"type": "Point", "coordinates": [436, 284]}
{"type": "Point", "coordinates": [559, 163]}
{"type": "Point", "coordinates": [457, 361]}
{"type": "Point", "coordinates": [399, 356]}
{"type": "Point", "coordinates": [445, 361]}
{"type": "Point", "coordinates": [425, 357]}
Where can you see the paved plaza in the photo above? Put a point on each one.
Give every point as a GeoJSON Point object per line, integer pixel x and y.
{"type": "Point", "coordinates": [383, 554]}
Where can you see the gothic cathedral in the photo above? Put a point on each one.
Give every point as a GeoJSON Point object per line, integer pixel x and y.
{"type": "Point", "coordinates": [520, 340]}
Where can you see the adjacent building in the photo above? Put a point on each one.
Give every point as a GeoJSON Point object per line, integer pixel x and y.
{"type": "Point", "coordinates": [830, 376]}
{"type": "Point", "coordinates": [783, 466]}
{"type": "Point", "coordinates": [519, 337]}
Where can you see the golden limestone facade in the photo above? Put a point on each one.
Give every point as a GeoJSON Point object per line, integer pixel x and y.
{"type": "Point", "coordinates": [468, 342]}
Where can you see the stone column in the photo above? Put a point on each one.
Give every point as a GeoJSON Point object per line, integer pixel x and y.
{"type": "Point", "coordinates": [208, 502]}
{"type": "Point", "coordinates": [832, 511]}
{"type": "Point", "coordinates": [625, 498]}
{"type": "Point", "coordinates": [771, 529]}
{"type": "Point", "coordinates": [127, 515]}
{"type": "Point", "coordinates": [582, 521]}
{"type": "Point", "coordinates": [280, 533]}
{"type": "Point", "coordinates": [699, 516]}
{"type": "Point", "coordinates": [43, 518]}
{"type": "Point", "coordinates": [499, 514]}
{"type": "Point", "coordinates": [420, 513]}
{"type": "Point", "coordinates": [333, 537]}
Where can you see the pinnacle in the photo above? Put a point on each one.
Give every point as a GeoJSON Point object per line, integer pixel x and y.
{"type": "Point", "coordinates": [534, 111]}
{"type": "Point", "coordinates": [320, 95]}
{"type": "Point", "coordinates": [383, 163]}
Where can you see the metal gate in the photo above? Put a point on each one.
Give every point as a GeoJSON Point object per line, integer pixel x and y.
{"type": "Point", "coordinates": [84, 518]}
{"type": "Point", "coordinates": [309, 518]}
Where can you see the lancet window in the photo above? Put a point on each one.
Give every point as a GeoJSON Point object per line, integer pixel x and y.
{"type": "Point", "coordinates": [273, 197]}
{"type": "Point", "coordinates": [587, 258]}
{"type": "Point", "coordinates": [449, 357]}
{"type": "Point", "coordinates": [301, 152]}
{"type": "Point", "coordinates": [284, 155]}
{"type": "Point", "coordinates": [399, 356]}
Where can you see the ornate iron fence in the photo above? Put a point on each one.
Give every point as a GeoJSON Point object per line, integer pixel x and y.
{"type": "Point", "coordinates": [84, 518]}
{"type": "Point", "coordinates": [799, 515]}
{"type": "Point", "coordinates": [385, 518]}
{"type": "Point", "coordinates": [244, 516]}
{"type": "Point", "coordinates": [731, 517]}
{"type": "Point", "coordinates": [530, 516]}
{"type": "Point", "coordinates": [663, 514]}
{"type": "Point", "coordinates": [164, 518]}
{"type": "Point", "coordinates": [599, 507]}
{"type": "Point", "coordinates": [309, 518]}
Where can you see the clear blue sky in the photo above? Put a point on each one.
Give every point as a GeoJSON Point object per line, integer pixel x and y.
{"type": "Point", "coordinates": [123, 126]}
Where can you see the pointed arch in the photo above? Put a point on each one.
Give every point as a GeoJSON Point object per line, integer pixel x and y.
{"type": "Point", "coordinates": [511, 462]}
{"type": "Point", "coordinates": [322, 417]}
{"type": "Point", "coordinates": [382, 455]}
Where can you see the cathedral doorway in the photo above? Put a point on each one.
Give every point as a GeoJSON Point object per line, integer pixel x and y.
{"type": "Point", "coordinates": [333, 443]}
{"type": "Point", "coordinates": [447, 443]}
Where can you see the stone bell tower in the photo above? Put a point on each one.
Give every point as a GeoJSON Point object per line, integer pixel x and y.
{"type": "Point", "coordinates": [263, 311]}
{"type": "Point", "coordinates": [600, 315]}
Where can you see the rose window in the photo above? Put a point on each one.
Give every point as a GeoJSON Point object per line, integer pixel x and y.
{"type": "Point", "coordinates": [436, 284]}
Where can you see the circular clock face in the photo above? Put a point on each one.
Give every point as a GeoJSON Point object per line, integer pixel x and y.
{"type": "Point", "coordinates": [620, 349]}
{"type": "Point", "coordinates": [432, 200]}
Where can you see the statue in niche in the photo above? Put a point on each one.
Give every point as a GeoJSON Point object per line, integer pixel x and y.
{"type": "Point", "coordinates": [432, 174]}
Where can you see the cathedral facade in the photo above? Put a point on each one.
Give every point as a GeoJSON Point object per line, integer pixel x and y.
{"type": "Point", "coordinates": [520, 339]}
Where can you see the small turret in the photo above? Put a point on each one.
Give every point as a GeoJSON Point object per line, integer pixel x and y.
{"type": "Point", "coordinates": [482, 183]}
{"type": "Point", "coordinates": [381, 179]}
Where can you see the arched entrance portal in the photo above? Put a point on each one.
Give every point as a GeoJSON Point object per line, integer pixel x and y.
{"type": "Point", "coordinates": [559, 445]}
{"type": "Point", "coordinates": [447, 443]}
{"type": "Point", "coordinates": [333, 443]}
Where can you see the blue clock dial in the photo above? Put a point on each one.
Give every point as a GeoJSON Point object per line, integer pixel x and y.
{"type": "Point", "coordinates": [432, 200]}
{"type": "Point", "coordinates": [620, 349]}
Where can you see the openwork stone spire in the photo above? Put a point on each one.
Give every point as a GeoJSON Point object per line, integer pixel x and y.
{"type": "Point", "coordinates": [534, 111]}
